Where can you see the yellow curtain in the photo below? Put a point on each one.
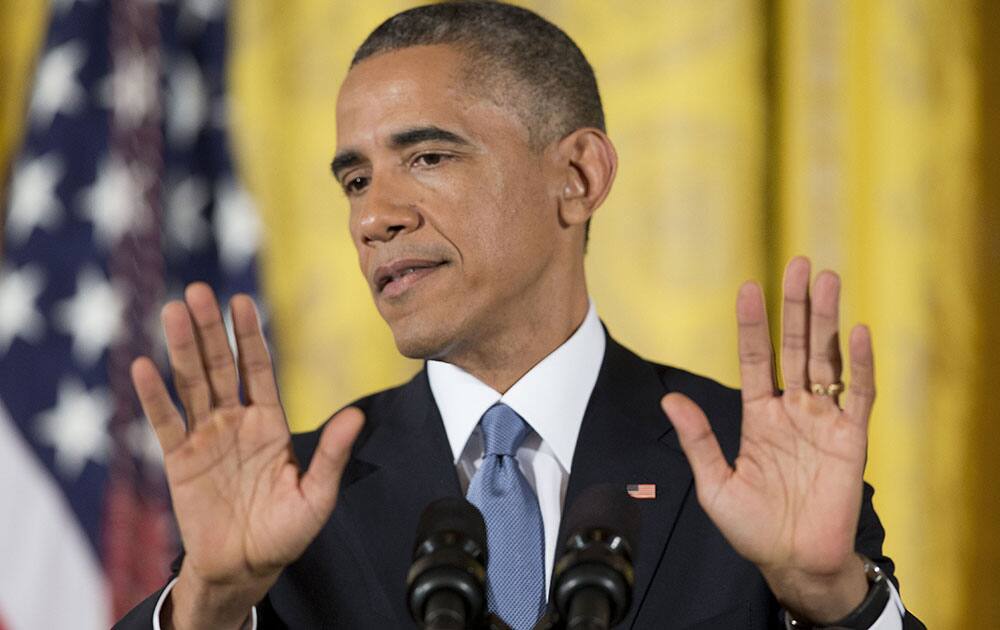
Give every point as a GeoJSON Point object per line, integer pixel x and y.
{"type": "Point", "coordinates": [22, 26]}
{"type": "Point", "coordinates": [877, 135]}
{"type": "Point", "coordinates": [864, 134]}
{"type": "Point", "coordinates": [980, 552]}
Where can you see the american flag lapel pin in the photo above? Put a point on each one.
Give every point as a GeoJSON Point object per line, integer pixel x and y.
{"type": "Point", "coordinates": [641, 490]}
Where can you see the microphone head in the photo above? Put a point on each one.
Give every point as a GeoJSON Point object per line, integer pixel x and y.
{"type": "Point", "coordinates": [602, 529]}
{"type": "Point", "coordinates": [448, 573]}
{"type": "Point", "coordinates": [607, 507]}
{"type": "Point", "coordinates": [451, 518]}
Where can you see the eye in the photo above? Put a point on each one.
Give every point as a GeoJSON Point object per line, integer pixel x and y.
{"type": "Point", "coordinates": [429, 159]}
{"type": "Point", "coordinates": [355, 184]}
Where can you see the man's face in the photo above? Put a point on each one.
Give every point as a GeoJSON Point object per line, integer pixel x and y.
{"type": "Point", "coordinates": [453, 214]}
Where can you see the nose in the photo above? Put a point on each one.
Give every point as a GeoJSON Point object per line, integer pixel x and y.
{"type": "Point", "coordinates": [385, 213]}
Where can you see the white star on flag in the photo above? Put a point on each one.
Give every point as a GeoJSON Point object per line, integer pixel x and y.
{"type": "Point", "coordinates": [61, 6]}
{"type": "Point", "coordinates": [195, 13]}
{"type": "Point", "coordinates": [77, 427]}
{"type": "Point", "coordinates": [184, 221]}
{"type": "Point", "coordinates": [237, 226]}
{"type": "Point", "coordinates": [93, 316]}
{"type": "Point", "coordinates": [19, 316]}
{"type": "Point", "coordinates": [56, 87]}
{"type": "Point", "coordinates": [131, 90]}
{"type": "Point", "coordinates": [187, 103]}
{"type": "Point", "coordinates": [116, 202]}
{"type": "Point", "coordinates": [33, 200]}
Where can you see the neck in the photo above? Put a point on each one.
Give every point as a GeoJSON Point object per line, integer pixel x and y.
{"type": "Point", "coordinates": [501, 358]}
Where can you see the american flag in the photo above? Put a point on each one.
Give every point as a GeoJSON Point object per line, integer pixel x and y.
{"type": "Point", "coordinates": [123, 192]}
{"type": "Point", "coordinates": [641, 490]}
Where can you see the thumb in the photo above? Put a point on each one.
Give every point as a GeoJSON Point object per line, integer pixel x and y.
{"type": "Point", "coordinates": [322, 481]}
{"type": "Point", "coordinates": [710, 468]}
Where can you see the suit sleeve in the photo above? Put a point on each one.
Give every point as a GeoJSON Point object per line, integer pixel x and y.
{"type": "Point", "coordinates": [140, 617]}
{"type": "Point", "coordinates": [145, 613]}
{"type": "Point", "coordinates": [869, 541]}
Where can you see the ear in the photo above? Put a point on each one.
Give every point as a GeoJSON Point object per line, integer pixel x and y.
{"type": "Point", "coordinates": [586, 166]}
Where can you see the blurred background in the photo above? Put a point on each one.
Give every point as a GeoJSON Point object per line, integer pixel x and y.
{"type": "Point", "coordinates": [147, 144]}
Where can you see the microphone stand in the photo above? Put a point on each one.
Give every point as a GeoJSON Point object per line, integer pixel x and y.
{"type": "Point", "coordinates": [494, 622]}
{"type": "Point", "coordinates": [549, 620]}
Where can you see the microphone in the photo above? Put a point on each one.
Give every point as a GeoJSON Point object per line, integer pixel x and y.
{"type": "Point", "coordinates": [592, 581]}
{"type": "Point", "coordinates": [446, 584]}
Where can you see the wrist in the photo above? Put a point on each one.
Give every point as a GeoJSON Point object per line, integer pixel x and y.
{"type": "Point", "coordinates": [194, 603]}
{"type": "Point", "coordinates": [821, 599]}
{"type": "Point", "coordinates": [867, 613]}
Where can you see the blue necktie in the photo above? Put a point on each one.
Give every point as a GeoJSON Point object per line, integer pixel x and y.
{"type": "Point", "coordinates": [515, 575]}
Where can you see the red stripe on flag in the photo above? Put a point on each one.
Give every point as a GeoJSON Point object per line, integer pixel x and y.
{"type": "Point", "coordinates": [137, 537]}
{"type": "Point", "coordinates": [138, 544]}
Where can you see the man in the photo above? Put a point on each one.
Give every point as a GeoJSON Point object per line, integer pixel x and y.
{"type": "Point", "coordinates": [471, 146]}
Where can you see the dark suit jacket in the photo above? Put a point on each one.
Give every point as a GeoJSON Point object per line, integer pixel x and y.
{"type": "Point", "coordinates": [687, 575]}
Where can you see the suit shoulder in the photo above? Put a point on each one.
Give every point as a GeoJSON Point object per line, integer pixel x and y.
{"type": "Point", "coordinates": [376, 407]}
{"type": "Point", "coordinates": [722, 404]}
{"type": "Point", "coordinates": [697, 387]}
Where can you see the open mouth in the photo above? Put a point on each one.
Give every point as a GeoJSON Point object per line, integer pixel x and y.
{"type": "Point", "coordinates": [391, 280]}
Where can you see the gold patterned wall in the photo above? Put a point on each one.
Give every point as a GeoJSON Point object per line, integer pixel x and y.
{"type": "Point", "coordinates": [863, 133]}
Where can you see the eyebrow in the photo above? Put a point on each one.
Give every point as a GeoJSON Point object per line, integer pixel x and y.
{"type": "Point", "coordinates": [409, 137]}
{"type": "Point", "coordinates": [345, 159]}
{"type": "Point", "coordinates": [400, 140]}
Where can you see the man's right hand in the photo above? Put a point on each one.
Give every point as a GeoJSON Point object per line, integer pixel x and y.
{"type": "Point", "coordinates": [243, 508]}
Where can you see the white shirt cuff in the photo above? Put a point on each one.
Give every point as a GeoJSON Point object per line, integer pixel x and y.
{"type": "Point", "coordinates": [249, 624]}
{"type": "Point", "coordinates": [892, 617]}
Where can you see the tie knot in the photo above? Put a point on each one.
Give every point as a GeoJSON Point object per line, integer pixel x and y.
{"type": "Point", "coordinates": [503, 430]}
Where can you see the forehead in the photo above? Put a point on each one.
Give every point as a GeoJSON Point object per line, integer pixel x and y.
{"type": "Point", "coordinates": [419, 85]}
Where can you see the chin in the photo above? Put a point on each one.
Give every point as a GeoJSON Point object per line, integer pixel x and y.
{"type": "Point", "coordinates": [420, 340]}
{"type": "Point", "coordinates": [428, 330]}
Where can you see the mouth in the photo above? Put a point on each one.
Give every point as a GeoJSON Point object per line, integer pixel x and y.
{"type": "Point", "coordinates": [393, 279]}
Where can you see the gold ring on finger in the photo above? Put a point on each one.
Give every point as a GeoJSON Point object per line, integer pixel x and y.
{"type": "Point", "coordinates": [832, 390]}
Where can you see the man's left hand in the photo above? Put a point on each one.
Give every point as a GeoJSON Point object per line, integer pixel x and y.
{"type": "Point", "coordinates": [791, 501]}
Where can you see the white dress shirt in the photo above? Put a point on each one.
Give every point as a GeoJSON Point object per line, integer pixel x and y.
{"type": "Point", "coordinates": [551, 398]}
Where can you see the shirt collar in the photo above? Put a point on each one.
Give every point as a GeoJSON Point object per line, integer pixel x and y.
{"type": "Point", "coordinates": [552, 397]}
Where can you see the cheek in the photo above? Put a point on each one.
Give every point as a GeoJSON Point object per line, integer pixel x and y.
{"type": "Point", "coordinates": [516, 227]}
{"type": "Point", "coordinates": [496, 217]}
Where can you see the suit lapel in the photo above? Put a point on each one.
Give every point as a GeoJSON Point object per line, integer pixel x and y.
{"type": "Point", "coordinates": [403, 465]}
{"type": "Point", "coordinates": [626, 439]}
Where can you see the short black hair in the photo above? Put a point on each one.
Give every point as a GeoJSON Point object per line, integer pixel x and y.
{"type": "Point", "coordinates": [555, 90]}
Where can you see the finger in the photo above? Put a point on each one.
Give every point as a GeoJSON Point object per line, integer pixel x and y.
{"type": "Point", "coordinates": [321, 482]}
{"type": "Point", "coordinates": [214, 344]}
{"type": "Point", "coordinates": [861, 392]}
{"type": "Point", "coordinates": [185, 361]}
{"type": "Point", "coordinates": [710, 468]}
{"type": "Point", "coordinates": [825, 363]}
{"type": "Point", "coordinates": [254, 358]}
{"type": "Point", "coordinates": [156, 404]}
{"type": "Point", "coordinates": [756, 360]}
{"type": "Point", "coordinates": [795, 324]}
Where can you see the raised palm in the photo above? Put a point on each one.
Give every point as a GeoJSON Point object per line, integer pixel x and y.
{"type": "Point", "coordinates": [243, 508]}
{"type": "Point", "coordinates": [791, 501]}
